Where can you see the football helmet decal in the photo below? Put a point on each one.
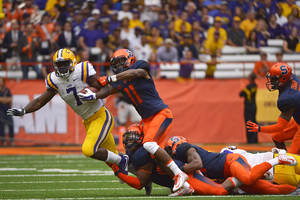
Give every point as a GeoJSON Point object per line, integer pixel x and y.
{"type": "Point", "coordinates": [64, 62]}
{"type": "Point", "coordinates": [172, 143]}
{"type": "Point", "coordinates": [121, 60]}
{"type": "Point", "coordinates": [279, 75]}
{"type": "Point", "coordinates": [133, 137]}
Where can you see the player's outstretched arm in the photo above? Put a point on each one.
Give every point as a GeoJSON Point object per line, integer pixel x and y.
{"type": "Point", "coordinates": [194, 161]}
{"type": "Point", "coordinates": [282, 122]}
{"type": "Point", "coordinates": [33, 105]}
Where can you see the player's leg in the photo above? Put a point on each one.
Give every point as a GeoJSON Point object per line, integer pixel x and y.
{"type": "Point", "coordinates": [265, 187]}
{"type": "Point", "coordinates": [287, 134]}
{"type": "Point", "coordinates": [155, 130]}
{"type": "Point", "coordinates": [295, 146]}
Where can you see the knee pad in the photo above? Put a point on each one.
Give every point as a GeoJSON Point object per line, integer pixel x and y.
{"type": "Point", "coordinates": [151, 147]}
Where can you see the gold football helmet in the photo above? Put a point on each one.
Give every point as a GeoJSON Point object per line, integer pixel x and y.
{"type": "Point", "coordinates": [64, 62]}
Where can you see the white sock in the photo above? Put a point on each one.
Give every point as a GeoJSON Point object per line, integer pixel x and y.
{"type": "Point", "coordinates": [186, 185]}
{"type": "Point", "coordinates": [236, 182]}
{"type": "Point", "coordinates": [113, 158]}
{"type": "Point", "coordinates": [174, 168]}
{"type": "Point", "coordinates": [273, 161]}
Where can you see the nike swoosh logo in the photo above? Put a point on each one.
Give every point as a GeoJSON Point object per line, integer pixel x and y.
{"type": "Point", "coordinates": [75, 79]}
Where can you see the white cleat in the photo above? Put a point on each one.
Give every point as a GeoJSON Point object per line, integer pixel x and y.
{"type": "Point", "coordinates": [279, 151]}
{"type": "Point", "coordinates": [287, 160]}
{"type": "Point", "coordinates": [183, 191]}
{"type": "Point", "coordinates": [179, 180]}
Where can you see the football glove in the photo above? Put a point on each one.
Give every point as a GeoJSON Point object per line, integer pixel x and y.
{"type": "Point", "coordinates": [16, 112]}
{"type": "Point", "coordinates": [104, 80]}
{"type": "Point", "coordinates": [88, 96]}
{"type": "Point", "coordinates": [116, 169]}
{"type": "Point", "coordinates": [252, 127]}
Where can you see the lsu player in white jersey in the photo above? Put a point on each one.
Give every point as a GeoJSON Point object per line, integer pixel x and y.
{"type": "Point", "coordinates": [280, 174]}
{"type": "Point", "coordinates": [68, 79]}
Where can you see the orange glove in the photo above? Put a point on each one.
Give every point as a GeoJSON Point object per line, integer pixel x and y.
{"type": "Point", "coordinates": [103, 80]}
{"type": "Point", "coordinates": [252, 127]}
{"type": "Point", "coordinates": [115, 168]}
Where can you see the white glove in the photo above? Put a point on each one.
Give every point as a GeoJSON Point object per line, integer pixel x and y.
{"type": "Point", "coordinates": [88, 96]}
{"type": "Point", "coordinates": [16, 112]}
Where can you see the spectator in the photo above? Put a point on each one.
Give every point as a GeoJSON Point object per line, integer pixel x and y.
{"type": "Point", "coordinates": [167, 52]}
{"type": "Point", "coordinates": [270, 7]}
{"type": "Point", "coordinates": [96, 14]}
{"type": "Point", "coordinates": [173, 9]}
{"type": "Point", "coordinates": [252, 44]}
{"type": "Point", "coordinates": [135, 21]}
{"type": "Point", "coordinates": [9, 12]}
{"type": "Point", "coordinates": [274, 29]}
{"type": "Point", "coordinates": [176, 38]}
{"type": "Point", "coordinates": [143, 50]}
{"type": "Point", "coordinates": [249, 24]}
{"type": "Point", "coordinates": [206, 20]}
{"type": "Point", "coordinates": [280, 18]}
{"type": "Point", "coordinates": [198, 41]}
{"type": "Point", "coordinates": [28, 48]}
{"type": "Point", "coordinates": [154, 40]}
{"type": "Point", "coordinates": [290, 43]}
{"type": "Point", "coordinates": [287, 7]}
{"type": "Point", "coordinates": [183, 20]}
{"type": "Point", "coordinates": [261, 14]}
{"type": "Point", "coordinates": [262, 34]}
{"type": "Point", "coordinates": [78, 23]}
{"type": "Point", "coordinates": [104, 13]}
{"type": "Point", "coordinates": [126, 32]}
{"type": "Point", "coordinates": [114, 40]}
{"type": "Point", "coordinates": [147, 27]}
{"type": "Point", "coordinates": [279, 57]}
{"type": "Point", "coordinates": [240, 13]}
{"type": "Point", "coordinates": [162, 24]}
{"type": "Point", "coordinates": [114, 23]}
{"type": "Point", "coordinates": [211, 66]}
{"type": "Point", "coordinates": [214, 45]}
{"type": "Point", "coordinates": [150, 11]}
{"type": "Point", "coordinates": [44, 31]}
{"type": "Point", "coordinates": [105, 31]}
{"type": "Point", "coordinates": [213, 6]}
{"type": "Point", "coordinates": [67, 38]}
{"type": "Point", "coordinates": [125, 13]}
{"type": "Point", "coordinates": [10, 43]}
{"type": "Point", "coordinates": [236, 36]}
{"type": "Point", "coordinates": [262, 67]}
{"type": "Point", "coordinates": [154, 66]}
{"type": "Point", "coordinates": [249, 94]}
{"type": "Point", "coordinates": [295, 13]}
{"type": "Point", "coordinates": [225, 15]}
{"type": "Point", "coordinates": [89, 38]}
{"type": "Point", "coordinates": [187, 46]}
{"type": "Point", "coordinates": [5, 102]}
{"type": "Point", "coordinates": [91, 4]}
{"type": "Point", "coordinates": [69, 11]}
{"type": "Point", "coordinates": [26, 8]}
{"type": "Point", "coordinates": [192, 12]}
{"type": "Point", "coordinates": [217, 27]}
{"type": "Point", "coordinates": [58, 17]}
{"type": "Point", "coordinates": [135, 43]}
{"type": "Point", "coordinates": [186, 67]}
{"type": "Point", "coordinates": [239, 3]}
{"type": "Point", "coordinates": [287, 28]}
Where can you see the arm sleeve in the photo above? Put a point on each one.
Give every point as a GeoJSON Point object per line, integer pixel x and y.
{"type": "Point", "coordinates": [130, 180]}
{"type": "Point", "coordinates": [281, 124]}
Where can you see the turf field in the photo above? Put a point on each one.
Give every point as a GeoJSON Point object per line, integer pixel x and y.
{"type": "Point", "coordinates": [77, 177]}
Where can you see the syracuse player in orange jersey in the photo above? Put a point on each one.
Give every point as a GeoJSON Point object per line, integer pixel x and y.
{"type": "Point", "coordinates": [281, 78]}
{"type": "Point", "coordinates": [132, 78]}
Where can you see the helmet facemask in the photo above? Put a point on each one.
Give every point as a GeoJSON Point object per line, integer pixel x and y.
{"type": "Point", "coordinates": [118, 64]}
{"type": "Point", "coordinates": [62, 68]}
{"type": "Point", "coordinates": [132, 139]}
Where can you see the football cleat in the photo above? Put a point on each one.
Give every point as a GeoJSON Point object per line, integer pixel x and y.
{"type": "Point", "coordinates": [179, 180]}
{"type": "Point", "coordinates": [287, 160]}
{"type": "Point", "coordinates": [183, 191]}
{"type": "Point", "coordinates": [279, 151]}
{"type": "Point", "coordinates": [148, 188]}
{"type": "Point", "coordinates": [123, 166]}
{"type": "Point", "coordinates": [267, 176]}
{"type": "Point", "coordinates": [295, 192]}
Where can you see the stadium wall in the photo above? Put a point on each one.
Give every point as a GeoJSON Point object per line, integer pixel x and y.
{"type": "Point", "coordinates": [205, 111]}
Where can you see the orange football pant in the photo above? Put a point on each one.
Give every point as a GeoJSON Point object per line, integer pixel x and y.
{"type": "Point", "coordinates": [265, 187]}
{"type": "Point", "coordinates": [157, 127]}
{"type": "Point", "coordinates": [236, 165]}
{"type": "Point", "coordinates": [291, 132]}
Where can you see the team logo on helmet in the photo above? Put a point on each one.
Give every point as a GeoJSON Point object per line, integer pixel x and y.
{"type": "Point", "coordinates": [278, 76]}
{"type": "Point", "coordinates": [172, 143]}
{"type": "Point", "coordinates": [121, 60]}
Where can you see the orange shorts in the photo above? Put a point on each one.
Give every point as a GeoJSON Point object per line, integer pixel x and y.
{"type": "Point", "coordinates": [243, 164]}
{"type": "Point", "coordinates": [157, 127]}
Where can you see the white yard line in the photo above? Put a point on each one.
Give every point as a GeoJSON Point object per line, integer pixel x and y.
{"type": "Point", "coordinates": [41, 182]}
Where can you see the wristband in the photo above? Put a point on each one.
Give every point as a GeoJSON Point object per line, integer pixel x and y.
{"type": "Point", "coordinates": [112, 78]}
{"type": "Point", "coordinates": [23, 111]}
{"type": "Point", "coordinates": [117, 173]}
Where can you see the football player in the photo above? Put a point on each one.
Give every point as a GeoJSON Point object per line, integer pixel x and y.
{"type": "Point", "coordinates": [67, 80]}
{"type": "Point", "coordinates": [147, 170]}
{"type": "Point", "coordinates": [132, 78]}
{"type": "Point", "coordinates": [280, 174]}
{"type": "Point", "coordinates": [281, 78]}
{"type": "Point", "coordinates": [223, 165]}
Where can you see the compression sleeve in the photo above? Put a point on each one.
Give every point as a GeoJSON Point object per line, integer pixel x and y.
{"type": "Point", "coordinates": [130, 180]}
{"type": "Point", "coordinates": [281, 124]}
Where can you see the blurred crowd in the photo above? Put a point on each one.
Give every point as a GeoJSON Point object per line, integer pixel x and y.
{"type": "Point", "coordinates": [155, 30]}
